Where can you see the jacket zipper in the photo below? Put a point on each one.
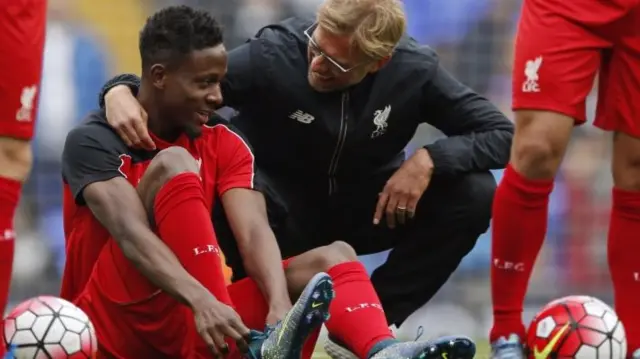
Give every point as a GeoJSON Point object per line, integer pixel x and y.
{"type": "Point", "coordinates": [342, 136]}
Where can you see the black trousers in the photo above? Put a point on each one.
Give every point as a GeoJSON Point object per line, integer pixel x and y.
{"type": "Point", "coordinates": [450, 217]}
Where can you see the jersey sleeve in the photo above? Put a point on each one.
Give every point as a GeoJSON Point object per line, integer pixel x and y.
{"type": "Point", "coordinates": [92, 153]}
{"type": "Point", "coordinates": [236, 164]}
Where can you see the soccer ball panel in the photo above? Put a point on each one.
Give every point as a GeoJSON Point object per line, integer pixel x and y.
{"type": "Point", "coordinates": [25, 320]}
{"type": "Point", "coordinates": [591, 337]}
{"type": "Point", "coordinates": [595, 309]}
{"type": "Point", "coordinates": [71, 342]}
{"type": "Point", "coordinates": [9, 329]}
{"type": "Point", "coordinates": [619, 334]}
{"type": "Point", "coordinates": [40, 326]}
{"type": "Point", "coordinates": [605, 351]}
{"type": "Point", "coordinates": [593, 323]}
{"type": "Point", "coordinates": [586, 352]}
{"type": "Point", "coordinates": [610, 320]}
{"type": "Point", "coordinates": [49, 328]}
{"type": "Point", "coordinates": [616, 350]}
{"type": "Point", "coordinates": [54, 335]}
{"type": "Point", "coordinates": [73, 324]}
{"type": "Point", "coordinates": [545, 327]}
{"type": "Point", "coordinates": [24, 337]}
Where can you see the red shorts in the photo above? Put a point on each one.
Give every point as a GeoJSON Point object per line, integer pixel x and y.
{"type": "Point", "coordinates": [560, 47]}
{"type": "Point", "coordinates": [22, 34]}
{"type": "Point", "coordinates": [159, 327]}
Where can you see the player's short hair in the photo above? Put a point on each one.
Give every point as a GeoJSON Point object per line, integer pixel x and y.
{"type": "Point", "coordinates": [176, 31]}
{"type": "Point", "coordinates": [376, 25]}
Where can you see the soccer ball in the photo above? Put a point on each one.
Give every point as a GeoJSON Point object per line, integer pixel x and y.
{"type": "Point", "coordinates": [49, 328]}
{"type": "Point", "coordinates": [579, 327]}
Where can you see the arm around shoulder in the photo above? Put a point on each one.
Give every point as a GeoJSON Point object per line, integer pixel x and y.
{"type": "Point", "coordinates": [130, 81]}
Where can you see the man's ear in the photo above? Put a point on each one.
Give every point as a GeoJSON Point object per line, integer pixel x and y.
{"type": "Point", "coordinates": [158, 74]}
{"type": "Point", "coordinates": [379, 64]}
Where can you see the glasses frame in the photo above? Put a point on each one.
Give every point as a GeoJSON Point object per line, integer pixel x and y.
{"type": "Point", "coordinates": [316, 49]}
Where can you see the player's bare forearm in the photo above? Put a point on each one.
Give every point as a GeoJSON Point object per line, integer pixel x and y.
{"type": "Point", "coordinates": [247, 215]}
{"type": "Point", "coordinates": [116, 204]}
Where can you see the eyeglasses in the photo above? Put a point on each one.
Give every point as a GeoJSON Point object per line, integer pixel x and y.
{"type": "Point", "coordinates": [315, 49]}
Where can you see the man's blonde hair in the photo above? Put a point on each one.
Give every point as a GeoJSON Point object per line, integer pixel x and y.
{"type": "Point", "coordinates": [376, 25]}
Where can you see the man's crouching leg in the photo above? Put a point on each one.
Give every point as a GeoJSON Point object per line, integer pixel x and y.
{"type": "Point", "coordinates": [450, 217]}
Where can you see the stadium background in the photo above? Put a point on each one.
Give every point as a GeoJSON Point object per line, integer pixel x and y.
{"type": "Point", "coordinates": [90, 40]}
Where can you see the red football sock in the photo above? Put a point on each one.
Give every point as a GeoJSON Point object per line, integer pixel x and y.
{"type": "Point", "coordinates": [357, 318]}
{"type": "Point", "coordinates": [184, 224]}
{"type": "Point", "coordinates": [519, 226]}
{"type": "Point", "coordinates": [9, 196]}
{"type": "Point", "coordinates": [623, 249]}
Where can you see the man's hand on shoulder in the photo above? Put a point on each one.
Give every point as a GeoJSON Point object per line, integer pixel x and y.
{"type": "Point", "coordinates": [399, 197]}
{"type": "Point", "coordinates": [128, 118]}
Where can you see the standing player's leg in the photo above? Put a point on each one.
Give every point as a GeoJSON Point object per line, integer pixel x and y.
{"type": "Point", "coordinates": [618, 108]}
{"type": "Point", "coordinates": [22, 27]}
{"type": "Point", "coordinates": [555, 64]}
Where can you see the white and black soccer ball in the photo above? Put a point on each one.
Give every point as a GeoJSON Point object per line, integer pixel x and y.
{"type": "Point", "coordinates": [49, 328]}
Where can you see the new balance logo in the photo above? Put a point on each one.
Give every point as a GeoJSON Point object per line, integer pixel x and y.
{"type": "Point", "coordinates": [302, 117]}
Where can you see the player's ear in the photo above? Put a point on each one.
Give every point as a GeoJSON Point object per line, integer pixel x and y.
{"type": "Point", "coordinates": [158, 74]}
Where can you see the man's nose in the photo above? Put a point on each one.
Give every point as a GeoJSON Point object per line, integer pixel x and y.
{"type": "Point", "coordinates": [214, 97]}
{"type": "Point", "coordinates": [320, 64]}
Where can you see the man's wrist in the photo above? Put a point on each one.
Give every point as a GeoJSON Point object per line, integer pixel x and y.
{"type": "Point", "coordinates": [194, 294]}
{"type": "Point", "coordinates": [122, 88]}
{"type": "Point", "coordinates": [424, 160]}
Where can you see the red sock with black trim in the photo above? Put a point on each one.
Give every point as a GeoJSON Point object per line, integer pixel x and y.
{"type": "Point", "coordinates": [357, 319]}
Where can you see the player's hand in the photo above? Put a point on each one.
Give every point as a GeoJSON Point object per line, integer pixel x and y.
{"type": "Point", "coordinates": [216, 321]}
{"type": "Point", "coordinates": [400, 196]}
{"type": "Point", "coordinates": [128, 118]}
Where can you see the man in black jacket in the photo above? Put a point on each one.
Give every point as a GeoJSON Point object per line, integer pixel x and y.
{"type": "Point", "coordinates": [329, 106]}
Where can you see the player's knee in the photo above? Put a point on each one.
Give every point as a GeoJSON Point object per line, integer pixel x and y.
{"type": "Point", "coordinates": [333, 254]}
{"type": "Point", "coordinates": [540, 142]}
{"type": "Point", "coordinates": [171, 162]}
{"type": "Point", "coordinates": [626, 162]}
{"type": "Point", "coordinates": [167, 164]}
{"type": "Point", "coordinates": [15, 158]}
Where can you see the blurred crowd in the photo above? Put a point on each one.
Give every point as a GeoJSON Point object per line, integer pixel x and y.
{"type": "Point", "coordinates": [90, 40]}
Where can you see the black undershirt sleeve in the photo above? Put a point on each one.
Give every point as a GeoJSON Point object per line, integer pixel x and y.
{"type": "Point", "coordinates": [92, 153]}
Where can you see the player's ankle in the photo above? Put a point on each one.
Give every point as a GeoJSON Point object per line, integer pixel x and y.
{"type": "Point", "coordinates": [504, 329]}
{"type": "Point", "coordinates": [381, 345]}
